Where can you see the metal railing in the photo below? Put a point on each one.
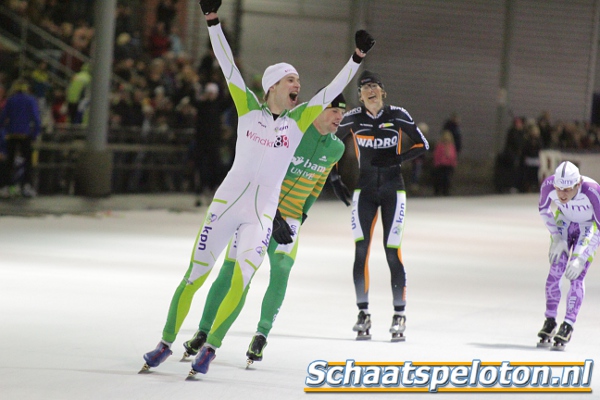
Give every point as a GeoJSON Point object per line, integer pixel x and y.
{"type": "Point", "coordinates": [143, 161]}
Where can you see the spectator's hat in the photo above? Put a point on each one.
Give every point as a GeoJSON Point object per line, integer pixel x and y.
{"type": "Point", "coordinates": [274, 73]}
{"type": "Point", "coordinates": [566, 175]}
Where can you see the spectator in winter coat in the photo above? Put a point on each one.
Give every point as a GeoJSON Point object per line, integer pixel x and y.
{"type": "Point", "coordinates": [21, 117]}
{"type": "Point", "coordinates": [444, 162]}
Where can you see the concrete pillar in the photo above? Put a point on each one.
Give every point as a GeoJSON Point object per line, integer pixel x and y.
{"type": "Point", "coordinates": [503, 100]}
{"type": "Point", "coordinates": [94, 167]}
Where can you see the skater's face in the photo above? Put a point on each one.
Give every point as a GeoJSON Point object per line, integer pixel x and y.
{"type": "Point", "coordinates": [285, 93]}
{"type": "Point", "coordinates": [567, 194]}
{"type": "Point", "coordinates": [372, 95]}
{"type": "Point", "coordinates": [329, 120]}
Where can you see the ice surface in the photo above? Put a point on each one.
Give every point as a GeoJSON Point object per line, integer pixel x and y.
{"type": "Point", "coordinates": [83, 297]}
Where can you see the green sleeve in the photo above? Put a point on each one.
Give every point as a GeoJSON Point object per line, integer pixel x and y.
{"type": "Point", "coordinates": [245, 101]}
{"type": "Point", "coordinates": [310, 200]}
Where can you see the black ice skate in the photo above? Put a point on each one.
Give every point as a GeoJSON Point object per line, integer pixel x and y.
{"type": "Point", "coordinates": [255, 350]}
{"type": "Point", "coordinates": [362, 326]}
{"type": "Point", "coordinates": [193, 345]}
{"type": "Point", "coordinates": [397, 328]}
{"type": "Point", "coordinates": [563, 336]}
{"type": "Point", "coordinates": [547, 333]}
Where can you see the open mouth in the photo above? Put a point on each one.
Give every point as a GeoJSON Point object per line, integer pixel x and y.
{"type": "Point", "coordinates": [294, 96]}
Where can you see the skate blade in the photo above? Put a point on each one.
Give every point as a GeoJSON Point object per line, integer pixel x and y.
{"type": "Point", "coordinates": [558, 347]}
{"type": "Point", "coordinates": [398, 339]}
{"type": "Point", "coordinates": [191, 375]}
{"type": "Point", "coordinates": [145, 369]}
{"type": "Point", "coordinates": [185, 357]}
{"type": "Point", "coordinates": [544, 345]}
{"type": "Point", "coordinates": [249, 362]}
{"type": "Point", "coordinates": [363, 337]}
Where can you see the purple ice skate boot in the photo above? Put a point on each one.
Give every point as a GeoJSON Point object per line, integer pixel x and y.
{"type": "Point", "coordinates": [202, 360]}
{"type": "Point", "coordinates": [155, 357]}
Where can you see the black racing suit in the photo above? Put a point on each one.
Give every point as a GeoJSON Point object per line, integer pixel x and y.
{"type": "Point", "coordinates": [378, 140]}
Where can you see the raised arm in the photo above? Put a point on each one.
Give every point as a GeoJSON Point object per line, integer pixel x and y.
{"type": "Point", "coordinates": [308, 112]}
{"type": "Point", "coordinates": [243, 98]}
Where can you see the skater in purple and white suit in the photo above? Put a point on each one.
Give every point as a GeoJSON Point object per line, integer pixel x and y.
{"type": "Point", "coordinates": [573, 227]}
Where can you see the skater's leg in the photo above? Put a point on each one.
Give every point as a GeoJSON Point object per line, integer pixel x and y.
{"type": "Point", "coordinates": [581, 239]}
{"type": "Point", "coordinates": [216, 294]}
{"type": "Point", "coordinates": [181, 302]}
{"type": "Point", "coordinates": [211, 239]}
{"type": "Point", "coordinates": [364, 217]}
{"type": "Point", "coordinates": [576, 295]}
{"type": "Point", "coordinates": [218, 291]}
{"type": "Point", "coordinates": [553, 286]}
{"type": "Point", "coordinates": [281, 265]}
{"type": "Point", "coordinates": [393, 214]}
{"type": "Point", "coordinates": [250, 238]}
{"type": "Point", "coordinates": [230, 309]}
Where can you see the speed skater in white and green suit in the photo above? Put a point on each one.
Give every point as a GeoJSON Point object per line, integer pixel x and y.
{"type": "Point", "coordinates": [313, 160]}
{"type": "Point", "coordinates": [245, 203]}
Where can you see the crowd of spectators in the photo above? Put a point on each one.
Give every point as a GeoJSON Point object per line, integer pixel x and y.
{"type": "Point", "coordinates": [159, 90]}
{"type": "Point", "coordinates": [517, 166]}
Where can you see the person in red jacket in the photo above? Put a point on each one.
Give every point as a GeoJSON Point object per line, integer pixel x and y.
{"type": "Point", "coordinates": [159, 42]}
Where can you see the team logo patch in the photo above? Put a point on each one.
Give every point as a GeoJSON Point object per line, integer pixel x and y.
{"type": "Point", "coordinates": [282, 141]}
{"type": "Point", "coordinates": [261, 250]}
{"type": "Point", "coordinates": [212, 217]}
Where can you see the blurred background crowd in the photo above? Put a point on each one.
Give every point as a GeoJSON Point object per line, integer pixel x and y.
{"type": "Point", "coordinates": [160, 95]}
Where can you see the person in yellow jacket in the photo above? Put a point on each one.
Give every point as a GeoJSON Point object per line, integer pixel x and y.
{"type": "Point", "coordinates": [78, 95]}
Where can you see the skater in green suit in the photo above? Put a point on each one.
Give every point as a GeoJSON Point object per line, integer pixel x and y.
{"type": "Point", "coordinates": [243, 209]}
{"type": "Point", "coordinates": [313, 160]}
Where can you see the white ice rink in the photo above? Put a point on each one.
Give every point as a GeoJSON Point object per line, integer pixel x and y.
{"type": "Point", "coordinates": [83, 297]}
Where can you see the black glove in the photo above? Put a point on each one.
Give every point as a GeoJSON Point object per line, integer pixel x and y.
{"type": "Point", "coordinates": [340, 190]}
{"type": "Point", "coordinates": [387, 161]}
{"type": "Point", "coordinates": [282, 233]}
{"type": "Point", "coordinates": [210, 6]}
{"type": "Point", "coordinates": [364, 41]}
